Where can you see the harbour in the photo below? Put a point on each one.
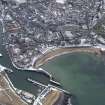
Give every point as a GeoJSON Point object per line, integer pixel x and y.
{"type": "Point", "coordinates": [86, 83]}
{"type": "Point", "coordinates": [52, 53]}
{"type": "Point", "coordinates": [19, 78]}
{"type": "Point", "coordinates": [81, 74]}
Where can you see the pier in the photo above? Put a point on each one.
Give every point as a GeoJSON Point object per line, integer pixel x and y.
{"type": "Point", "coordinates": [44, 72]}
{"type": "Point", "coordinates": [36, 83]}
{"type": "Point", "coordinates": [59, 89]}
{"type": "Point", "coordinates": [49, 85]}
{"type": "Point", "coordinates": [55, 82]}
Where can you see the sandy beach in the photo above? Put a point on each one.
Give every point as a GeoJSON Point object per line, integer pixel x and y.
{"type": "Point", "coordinates": [60, 51]}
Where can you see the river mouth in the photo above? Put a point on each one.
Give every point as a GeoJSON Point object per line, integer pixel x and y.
{"type": "Point", "coordinates": [83, 74]}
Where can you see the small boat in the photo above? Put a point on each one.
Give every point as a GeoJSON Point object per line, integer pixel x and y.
{"type": "Point", "coordinates": [1, 55]}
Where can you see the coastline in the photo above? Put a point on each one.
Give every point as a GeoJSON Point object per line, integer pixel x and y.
{"type": "Point", "coordinates": [49, 54]}
{"type": "Point", "coordinates": [61, 51]}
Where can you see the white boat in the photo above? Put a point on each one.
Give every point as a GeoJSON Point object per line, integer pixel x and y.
{"type": "Point", "coordinates": [1, 55]}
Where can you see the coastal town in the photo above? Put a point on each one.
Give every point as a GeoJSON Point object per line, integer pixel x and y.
{"type": "Point", "coordinates": [35, 31]}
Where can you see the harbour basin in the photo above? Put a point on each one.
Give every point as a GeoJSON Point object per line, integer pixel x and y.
{"type": "Point", "coordinates": [82, 74]}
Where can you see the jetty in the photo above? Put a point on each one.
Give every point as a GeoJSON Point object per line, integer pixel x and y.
{"type": "Point", "coordinates": [49, 85]}
{"type": "Point", "coordinates": [44, 72]}
{"type": "Point", "coordinates": [65, 91]}
{"type": "Point", "coordinates": [36, 83]}
{"type": "Point", "coordinates": [55, 82]}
